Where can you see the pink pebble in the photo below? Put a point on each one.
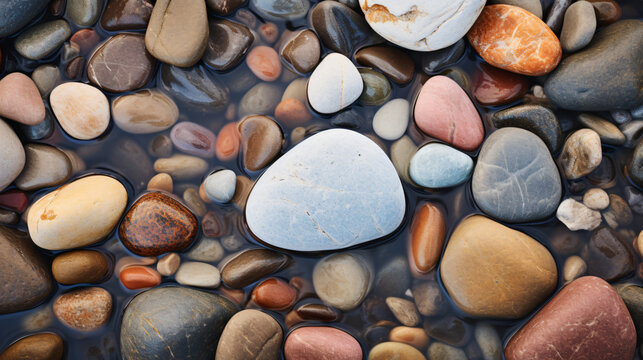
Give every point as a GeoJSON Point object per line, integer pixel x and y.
{"type": "Point", "coordinates": [20, 99]}
{"type": "Point", "coordinates": [264, 62]}
{"type": "Point", "coordinates": [321, 342]}
{"type": "Point", "coordinates": [194, 139]}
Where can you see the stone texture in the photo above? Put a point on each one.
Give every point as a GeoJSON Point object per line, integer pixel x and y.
{"type": "Point", "coordinates": [43, 39]}
{"type": "Point", "coordinates": [140, 277]}
{"type": "Point", "coordinates": [251, 265]}
{"type": "Point", "coordinates": [394, 350]}
{"type": "Point", "coordinates": [81, 109]}
{"type": "Point", "coordinates": [12, 155]}
{"type": "Point", "coordinates": [394, 63]}
{"type": "Point", "coordinates": [440, 166]}
{"type": "Point", "coordinates": [334, 85]}
{"type": "Point", "coordinates": [144, 112]}
{"type": "Point", "coordinates": [181, 167]}
{"type": "Point", "coordinates": [301, 50]}
{"type": "Point", "coordinates": [80, 266]}
{"type": "Point", "coordinates": [492, 86]}
{"type": "Point", "coordinates": [577, 216]}
{"type": "Point", "coordinates": [343, 280]}
{"type": "Point", "coordinates": [578, 27]}
{"type": "Point", "coordinates": [608, 256]}
{"type": "Point", "coordinates": [228, 43]}
{"type": "Point", "coordinates": [519, 273]}
{"type": "Point", "coordinates": [261, 141]}
{"type": "Point", "coordinates": [20, 99]}
{"type": "Point", "coordinates": [126, 15]}
{"type": "Point", "coordinates": [274, 294]}
{"type": "Point", "coordinates": [83, 12]}
{"type": "Point", "coordinates": [43, 346]}
{"type": "Point", "coordinates": [535, 118]}
{"type": "Point", "coordinates": [45, 166]}
{"type": "Point", "coordinates": [14, 14]}
{"type": "Point", "coordinates": [257, 333]}
{"type": "Point", "coordinates": [321, 342]}
{"type": "Point", "coordinates": [84, 309]}
{"type": "Point", "coordinates": [199, 274]}
{"type": "Point", "coordinates": [581, 154]}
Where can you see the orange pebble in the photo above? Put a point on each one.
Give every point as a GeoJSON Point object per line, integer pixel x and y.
{"type": "Point", "coordinates": [426, 239]}
{"type": "Point", "coordinates": [264, 62]}
{"type": "Point", "coordinates": [228, 142]}
{"type": "Point", "coordinates": [292, 112]}
{"type": "Point", "coordinates": [274, 294]}
{"type": "Point", "coordinates": [86, 39]}
{"type": "Point", "coordinates": [269, 32]}
{"type": "Point", "coordinates": [413, 336]}
{"type": "Point", "coordinates": [139, 277]}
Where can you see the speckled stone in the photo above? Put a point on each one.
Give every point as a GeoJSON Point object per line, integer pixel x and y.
{"type": "Point", "coordinates": [157, 224]}
{"type": "Point", "coordinates": [83, 12]}
{"type": "Point", "coordinates": [14, 14]}
{"type": "Point", "coordinates": [535, 118]}
{"type": "Point", "coordinates": [258, 333]}
{"type": "Point", "coordinates": [84, 309]}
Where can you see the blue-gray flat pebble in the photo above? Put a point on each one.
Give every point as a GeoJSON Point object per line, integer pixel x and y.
{"type": "Point", "coordinates": [14, 14]}
{"type": "Point", "coordinates": [439, 166]}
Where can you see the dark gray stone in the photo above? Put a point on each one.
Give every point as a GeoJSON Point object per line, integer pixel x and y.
{"type": "Point", "coordinates": [14, 14]}
{"type": "Point", "coordinates": [348, 119]}
{"type": "Point", "coordinates": [195, 86]}
{"type": "Point", "coordinates": [632, 296]}
{"type": "Point", "coordinates": [608, 256]}
{"type": "Point", "coordinates": [635, 167]}
{"type": "Point", "coordinates": [556, 14]}
{"type": "Point", "coordinates": [435, 61]}
{"type": "Point", "coordinates": [42, 130]}
{"type": "Point", "coordinates": [535, 118]}
{"type": "Point", "coordinates": [393, 278]}
{"type": "Point", "coordinates": [228, 42]}
{"type": "Point", "coordinates": [634, 199]}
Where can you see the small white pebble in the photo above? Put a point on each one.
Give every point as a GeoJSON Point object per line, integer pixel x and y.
{"type": "Point", "coordinates": [596, 199]}
{"type": "Point", "coordinates": [220, 185]}
{"type": "Point", "coordinates": [577, 216]}
{"type": "Point", "coordinates": [198, 274]}
{"type": "Point", "coordinates": [573, 268]}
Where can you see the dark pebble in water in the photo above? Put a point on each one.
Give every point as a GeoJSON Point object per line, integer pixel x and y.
{"type": "Point", "coordinates": [435, 61]}
{"type": "Point", "coordinates": [224, 7]}
{"type": "Point", "coordinates": [252, 265]}
{"type": "Point", "coordinates": [396, 64]}
{"type": "Point", "coordinates": [126, 15]}
{"type": "Point", "coordinates": [348, 119]}
{"type": "Point", "coordinates": [14, 14]}
{"type": "Point", "coordinates": [608, 256]}
{"type": "Point", "coordinates": [196, 86]}
{"type": "Point", "coordinates": [535, 118]}
{"type": "Point", "coordinates": [228, 43]}
{"type": "Point", "coordinates": [556, 14]}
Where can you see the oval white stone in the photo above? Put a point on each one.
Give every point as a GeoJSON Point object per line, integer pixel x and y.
{"type": "Point", "coordinates": [391, 120]}
{"type": "Point", "coordinates": [220, 185]}
{"type": "Point", "coordinates": [198, 274]}
{"type": "Point", "coordinates": [334, 84]}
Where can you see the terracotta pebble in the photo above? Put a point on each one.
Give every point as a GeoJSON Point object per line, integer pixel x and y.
{"type": "Point", "coordinates": [228, 142]}
{"type": "Point", "coordinates": [264, 62]}
{"type": "Point", "coordinates": [426, 239]}
{"type": "Point", "coordinates": [316, 342]}
{"type": "Point", "coordinates": [127, 261]}
{"type": "Point", "coordinates": [139, 277]}
{"type": "Point", "coordinates": [274, 294]}
{"type": "Point", "coordinates": [292, 112]}
{"type": "Point", "coordinates": [20, 99]}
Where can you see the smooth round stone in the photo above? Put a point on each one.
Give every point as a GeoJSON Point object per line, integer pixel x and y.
{"type": "Point", "coordinates": [313, 198]}
{"type": "Point", "coordinates": [608, 256]}
{"type": "Point", "coordinates": [493, 86]}
{"type": "Point", "coordinates": [198, 274]}
{"type": "Point", "coordinates": [84, 309]}
{"type": "Point", "coordinates": [403, 310]}
{"type": "Point", "coordinates": [394, 350]}
{"type": "Point", "coordinates": [334, 85]}
{"type": "Point", "coordinates": [130, 261]}
{"type": "Point", "coordinates": [581, 154]}
{"type": "Point", "coordinates": [274, 294]}
{"type": "Point", "coordinates": [439, 166]}
{"type": "Point", "coordinates": [437, 61]}
{"type": "Point", "coordinates": [157, 224]}
{"type": "Point", "coordinates": [257, 333]}
{"type": "Point", "coordinates": [228, 42]}
{"type": "Point", "coordinates": [264, 62]}
{"type": "Point", "coordinates": [438, 350]}
{"type": "Point", "coordinates": [426, 239]}
{"type": "Point", "coordinates": [577, 216]}
{"type": "Point", "coordinates": [46, 78]}
{"type": "Point", "coordinates": [413, 336]}
{"type": "Point", "coordinates": [121, 64]}
{"type": "Point", "coordinates": [82, 110]}
{"type": "Point", "coordinates": [14, 14]}
{"type": "Point", "coordinates": [635, 167]}
{"type": "Point", "coordinates": [251, 265]}
{"type": "Point", "coordinates": [228, 142]}
{"type": "Point", "coordinates": [262, 98]}
{"type": "Point", "coordinates": [80, 266]}
{"type": "Point", "coordinates": [607, 11]}
{"type": "Point", "coordinates": [435, 113]}
{"type": "Point", "coordinates": [534, 50]}
{"type": "Point", "coordinates": [45, 166]}
{"type": "Point", "coordinates": [197, 86]}
{"type": "Point", "coordinates": [533, 6]}
{"type": "Point", "coordinates": [339, 27]}
{"type": "Point", "coordinates": [139, 277]}
{"type": "Point", "coordinates": [517, 164]}
{"type": "Point", "coordinates": [578, 27]}
{"type": "Point", "coordinates": [20, 99]}
{"type": "Point", "coordinates": [392, 119]}
{"type": "Point", "coordinates": [376, 89]}
{"type": "Point", "coordinates": [607, 132]}
{"type": "Point", "coordinates": [488, 341]}
{"type": "Point", "coordinates": [596, 199]}
{"type": "Point", "coordinates": [43, 39]}
{"type": "Point", "coordinates": [321, 342]}
{"type": "Point", "coordinates": [174, 322]}
{"type": "Point", "coordinates": [177, 33]}
{"type": "Point", "coordinates": [574, 267]}
{"type": "Point", "coordinates": [280, 10]}
{"type": "Point", "coordinates": [169, 264]}
{"type": "Point", "coordinates": [126, 15]}
{"type": "Point", "coordinates": [43, 346]}
{"type": "Point", "coordinates": [296, 90]}
{"type": "Point", "coordinates": [301, 50]}
{"type": "Point", "coordinates": [261, 141]}
{"type": "Point", "coordinates": [392, 278]}
{"type": "Point", "coordinates": [421, 26]}
{"type": "Point", "coordinates": [519, 273]}
{"type": "Point", "coordinates": [224, 7]}
{"type": "Point", "coordinates": [220, 185]}
{"type": "Point", "coordinates": [77, 215]}
{"type": "Point", "coordinates": [343, 280]}
{"type": "Point", "coordinates": [394, 63]}
{"type": "Point", "coordinates": [193, 139]}
{"type": "Point", "coordinates": [26, 276]}
{"type": "Point", "coordinates": [85, 40]}
{"type": "Point", "coordinates": [603, 330]}
{"type": "Point", "coordinates": [292, 112]}
{"type": "Point", "coordinates": [586, 80]}
{"type": "Point", "coordinates": [535, 118]}
{"type": "Point", "coordinates": [83, 12]}
{"type": "Point", "coordinates": [12, 155]}
{"type": "Point", "coordinates": [314, 312]}
{"type": "Point", "coordinates": [181, 167]}
{"type": "Point", "coordinates": [144, 112]}
{"type": "Point", "coordinates": [207, 249]}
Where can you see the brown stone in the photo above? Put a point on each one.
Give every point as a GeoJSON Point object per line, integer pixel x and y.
{"type": "Point", "coordinates": [608, 256]}
{"type": "Point", "coordinates": [261, 141]}
{"type": "Point", "coordinates": [493, 86]}
{"type": "Point", "coordinates": [80, 266]}
{"type": "Point", "coordinates": [252, 265]}
{"type": "Point", "coordinates": [257, 333]}
{"type": "Point", "coordinates": [413, 336]}
{"type": "Point", "coordinates": [46, 166]}
{"type": "Point", "coordinates": [44, 346]}
{"type": "Point", "coordinates": [426, 239]}
{"type": "Point", "coordinates": [84, 309]}
{"type": "Point", "coordinates": [241, 191]}
{"type": "Point", "coordinates": [274, 294]}
{"type": "Point", "coordinates": [301, 50]}
{"type": "Point", "coordinates": [224, 7]}
{"type": "Point", "coordinates": [215, 225]}
{"type": "Point", "coordinates": [157, 224]}
{"type": "Point", "coordinates": [74, 69]}
{"type": "Point", "coordinates": [126, 15]}
{"type": "Point", "coordinates": [607, 11]}
{"type": "Point", "coordinates": [396, 64]}
{"type": "Point", "coordinates": [85, 40]}
{"type": "Point", "coordinates": [228, 42]}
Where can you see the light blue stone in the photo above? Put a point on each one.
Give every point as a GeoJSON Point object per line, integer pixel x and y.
{"type": "Point", "coordinates": [333, 190]}
{"type": "Point", "coordinates": [440, 166]}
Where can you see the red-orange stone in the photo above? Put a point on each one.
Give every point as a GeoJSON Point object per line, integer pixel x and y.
{"type": "Point", "coordinates": [157, 224]}
{"type": "Point", "coordinates": [228, 142]}
{"type": "Point", "coordinates": [86, 39]}
{"type": "Point", "coordinates": [139, 277]}
{"type": "Point", "coordinates": [493, 86]}
{"type": "Point", "coordinates": [274, 294]}
{"type": "Point", "coordinates": [514, 39]}
{"type": "Point", "coordinates": [264, 62]}
{"type": "Point", "coordinates": [426, 240]}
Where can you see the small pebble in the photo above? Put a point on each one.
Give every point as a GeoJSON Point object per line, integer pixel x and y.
{"type": "Point", "coordinates": [162, 181]}
{"type": "Point", "coordinates": [404, 310]}
{"type": "Point", "coordinates": [139, 277]}
{"type": "Point", "coordinates": [207, 249]}
{"type": "Point", "coordinates": [413, 336]}
{"type": "Point", "coordinates": [581, 154]}
{"type": "Point", "coordinates": [127, 261]}
{"type": "Point", "coordinates": [198, 274]}
{"type": "Point", "coordinates": [264, 62]}
{"type": "Point", "coordinates": [274, 294]}
{"type": "Point", "coordinates": [577, 216]}
{"type": "Point", "coordinates": [220, 185]}
{"type": "Point", "coordinates": [391, 120]}
{"type": "Point", "coordinates": [574, 267]}
{"type": "Point", "coordinates": [596, 199]}
{"type": "Point", "coordinates": [84, 309]}
{"type": "Point", "coordinates": [168, 264]}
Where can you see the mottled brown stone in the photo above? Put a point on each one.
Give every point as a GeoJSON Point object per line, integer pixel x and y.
{"type": "Point", "coordinates": [608, 256]}
{"type": "Point", "coordinates": [44, 346]}
{"type": "Point", "coordinates": [84, 309]}
{"type": "Point", "coordinates": [252, 265]}
{"type": "Point", "coordinates": [126, 14]}
{"type": "Point", "coordinates": [394, 63]}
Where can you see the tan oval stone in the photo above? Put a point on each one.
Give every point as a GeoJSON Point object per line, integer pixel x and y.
{"type": "Point", "coordinates": [581, 154]}
{"type": "Point", "coordinates": [413, 336]}
{"type": "Point", "coordinates": [43, 346]}
{"type": "Point", "coordinates": [82, 110]}
{"type": "Point", "coordinates": [491, 270]}
{"type": "Point", "coordinates": [181, 167]}
{"type": "Point", "coordinates": [257, 333]}
{"type": "Point", "coordinates": [144, 112]}
{"type": "Point", "coordinates": [394, 350]}
{"type": "Point", "coordinates": [80, 266]}
{"type": "Point", "coordinates": [78, 214]}
{"type": "Point", "coordinates": [84, 309]}
{"type": "Point", "coordinates": [161, 181]}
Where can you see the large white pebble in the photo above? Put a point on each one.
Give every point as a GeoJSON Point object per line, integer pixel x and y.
{"type": "Point", "coordinates": [334, 85]}
{"type": "Point", "coordinates": [81, 109]}
{"type": "Point", "coordinates": [220, 185]}
{"type": "Point", "coordinates": [391, 120]}
{"type": "Point", "coordinates": [198, 274]}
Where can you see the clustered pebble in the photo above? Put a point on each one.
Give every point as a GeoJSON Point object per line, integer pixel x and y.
{"type": "Point", "coordinates": [307, 180]}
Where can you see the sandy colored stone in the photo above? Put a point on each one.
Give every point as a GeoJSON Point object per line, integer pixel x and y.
{"type": "Point", "coordinates": [404, 311]}
{"type": "Point", "coordinates": [257, 333]}
{"type": "Point", "coordinates": [43, 346]}
{"type": "Point", "coordinates": [144, 112]}
{"type": "Point", "coordinates": [84, 309]}
{"type": "Point", "coordinates": [413, 336]}
{"type": "Point", "coordinates": [168, 265]}
{"type": "Point", "coordinates": [581, 154]}
{"type": "Point", "coordinates": [20, 99]}
{"type": "Point", "coordinates": [80, 266]}
{"type": "Point", "coordinates": [394, 350]}
{"type": "Point", "coordinates": [343, 280]}
{"type": "Point", "coordinates": [596, 199]}
{"type": "Point", "coordinates": [181, 167]}
{"type": "Point", "coordinates": [82, 110]}
{"type": "Point", "coordinates": [577, 216]}
{"type": "Point", "coordinates": [574, 267]}
{"type": "Point", "coordinates": [162, 181]}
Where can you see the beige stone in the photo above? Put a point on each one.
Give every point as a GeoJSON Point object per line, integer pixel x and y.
{"type": "Point", "coordinates": [144, 112]}
{"type": "Point", "coordinates": [162, 181]}
{"type": "Point", "coordinates": [581, 153]}
{"type": "Point", "coordinates": [168, 265]}
{"type": "Point", "coordinates": [82, 110]}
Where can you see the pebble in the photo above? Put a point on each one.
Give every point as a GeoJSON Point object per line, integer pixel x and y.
{"type": "Point", "coordinates": [449, 329]}
{"type": "Point", "coordinates": [43, 346]}
{"type": "Point", "coordinates": [269, 32]}
{"type": "Point", "coordinates": [604, 176]}
{"type": "Point", "coordinates": [459, 76]}
{"type": "Point", "coordinates": [535, 118]}
{"type": "Point", "coordinates": [251, 265]}
{"type": "Point", "coordinates": [20, 99]}
{"type": "Point", "coordinates": [533, 6]}
{"type": "Point", "coordinates": [321, 342]}
{"type": "Point", "coordinates": [126, 15]}
{"type": "Point", "coordinates": [228, 142]}
{"type": "Point", "coordinates": [438, 101]}
{"type": "Point", "coordinates": [192, 199]}
{"type": "Point", "coordinates": [348, 119]}
{"type": "Point", "coordinates": [437, 61]}
{"type": "Point", "coordinates": [524, 157]}
{"type": "Point", "coordinates": [127, 261]}
{"type": "Point", "coordinates": [220, 185]}
{"type": "Point", "coordinates": [392, 119]}
{"type": "Point", "coordinates": [343, 280]}
{"type": "Point", "coordinates": [243, 187]}
{"type": "Point", "coordinates": [599, 314]}
{"type": "Point", "coordinates": [174, 322]}
{"type": "Point", "coordinates": [428, 298]}
{"type": "Point", "coordinates": [274, 294]}
{"type": "Point", "coordinates": [76, 215]}
{"type": "Point", "coordinates": [12, 155]}
{"type": "Point", "coordinates": [144, 112]}
{"type": "Point", "coordinates": [394, 350]}
{"type": "Point", "coordinates": [634, 199]}
{"type": "Point", "coordinates": [14, 14]}
{"type": "Point", "coordinates": [440, 166]}
{"type": "Point", "coordinates": [334, 85]}
{"type": "Point", "coordinates": [596, 199]}
{"type": "Point", "coordinates": [312, 312]}
{"type": "Point", "coordinates": [139, 277]}
{"type": "Point", "coordinates": [339, 27]}
{"type": "Point", "coordinates": [177, 32]}
{"type": "Point", "coordinates": [42, 130]}
{"type": "Point", "coordinates": [332, 211]}
{"type": "Point", "coordinates": [27, 279]}
{"type": "Point", "coordinates": [392, 278]}
{"type": "Point", "coordinates": [574, 267]}
{"type": "Point", "coordinates": [196, 86]}
{"type": "Point", "coordinates": [301, 50]}
{"type": "Point", "coordinates": [488, 341]}
{"type": "Point", "coordinates": [556, 13]}
{"type": "Point", "coordinates": [632, 297]}
{"type": "Point", "coordinates": [46, 78]}
{"type": "Point", "coordinates": [228, 43]}
{"type": "Point", "coordinates": [608, 132]}
{"type": "Point", "coordinates": [618, 213]}
{"type": "Point", "coordinates": [280, 10]}
{"type": "Point", "coordinates": [157, 224]}
{"type": "Point", "coordinates": [43, 39]}
{"type": "Point", "coordinates": [84, 309]}
{"type": "Point", "coordinates": [527, 276]}
{"type": "Point", "coordinates": [607, 11]}
{"type": "Point", "coordinates": [635, 167]}
{"type": "Point", "coordinates": [608, 256]}
{"type": "Point", "coordinates": [392, 62]}
{"type": "Point", "coordinates": [261, 141]}
{"type": "Point", "coordinates": [577, 216]}
{"type": "Point", "coordinates": [585, 80]}
{"type": "Point", "coordinates": [121, 64]}
{"type": "Point", "coordinates": [80, 266]}
{"type": "Point", "coordinates": [169, 264]}
{"type": "Point", "coordinates": [578, 27]}
{"type": "Point", "coordinates": [493, 86]}
{"type": "Point", "coordinates": [85, 40]}
{"type": "Point", "coordinates": [581, 154]}
{"type": "Point", "coordinates": [264, 62]}
{"type": "Point", "coordinates": [262, 98]}
{"type": "Point", "coordinates": [403, 310]}
{"type": "Point", "coordinates": [83, 12]}
{"type": "Point", "coordinates": [440, 351]}
{"type": "Point", "coordinates": [376, 89]}
{"type": "Point", "coordinates": [75, 67]}
{"type": "Point", "coordinates": [257, 333]}
{"type": "Point", "coordinates": [206, 249]}
{"type": "Point", "coordinates": [193, 139]}
{"type": "Point", "coordinates": [426, 239]}
{"type": "Point", "coordinates": [45, 166]}
{"type": "Point", "coordinates": [292, 112]}
{"type": "Point", "coordinates": [198, 274]}
{"type": "Point", "coordinates": [224, 7]}
{"type": "Point", "coordinates": [413, 336]}
{"type": "Point", "coordinates": [296, 90]}
{"type": "Point", "coordinates": [633, 132]}
{"type": "Point", "coordinates": [181, 167]}
{"type": "Point", "coordinates": [82, 110]}
{"type": "Point", "coordinates": [8, 217]}
{"type": "Point", "coordinates": [534, 50]}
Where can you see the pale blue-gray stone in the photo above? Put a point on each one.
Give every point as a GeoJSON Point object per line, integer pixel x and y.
{"type": "Point", "coordinates": [515, 179]}
{"type": "Point", "coordinates": [439, 166]}
{"type": "Point", "coordinates": [281, 9]}
{"type": "Point", "coordinates": [14, 14]}
{"type": "Point", "coordinates": [333, 190]}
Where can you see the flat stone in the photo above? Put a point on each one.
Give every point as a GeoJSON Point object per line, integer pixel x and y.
{"type": "Point", "coordinates": [534, 50]}
{"type": "Point", "coordinates": [251, 265]}
{"type": "Point", "coordinates": [421, 26]}
{"type": "Point", "coordinates": [339, 27]}
{"type": "Point", "coordinates": [334, 85]}
{"type": "Point", "coordinates": [228, 42]}
{"type": "Point", "coordinates": [394, 63]}
{"type": "Point", "coordinates": [517, 164]}
{"type": "Point", "coordinates": [206, 249]}
{"type": "Point", "coordinates": [577, 216]}
{"type": "Point", "coordinates": [258, 333]}
{"type": "Point", "coordinates": [82, 110]}
{"type": "Point", "coordinates": [181, 167]}
{"type": "Point", "coordinates": [83, 12]}
{"type": "Point", "coordinates": [12, 155]}
{"type": "Point", "coordinates": [326, 211]}
{"type": "Point", "coordinates": [84, 309]}
{"type": "Point", "coordinates": [607, 132]}
{"type": "Point", "coordinates": [608, 256]}
{"type": "Point", "coordinates": [493, 86]}
{"type": "Point", "coordinates": [301, 50]}
{"type": "Point", "coordinates": [43, 39]}
{"type": "Point", "coordinates": [126, 15]}
{"type": "Point", "coordinates": [45, 166]}
{"type": "Point", "coordinates": [197, 86]}
{"type": "Point", "coordinates": [519, 273]}
{"type": "Point", "coordinates": [535, 118]}
{"type": "Point", "coordinates": [280, 10]}
{"type": "Point", "coordinates": [14, 14]}
{"type": "Point", "coordinates": [600, 328]}
{"type": "Point", "coordinates": [578, 27]}
{"type": "Point", "coordinates": [440, 166]}
{"type": "Point", "coordinates": [392, 119]}
{"type": "Point", "coordinates": [199, 274]}
{"type": "Point", "coordinates": [321, 342]}
{"type": "Point", "coordinates": [144, 112]}
{"type": "Point", "coordinates": [343, 280]}
{"type": "Point", "coordinates": [43, 346]}
{"type": "Point", "coordinates": [581, 154]}
{"type": "Point", "coordinates": [20, 99]}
